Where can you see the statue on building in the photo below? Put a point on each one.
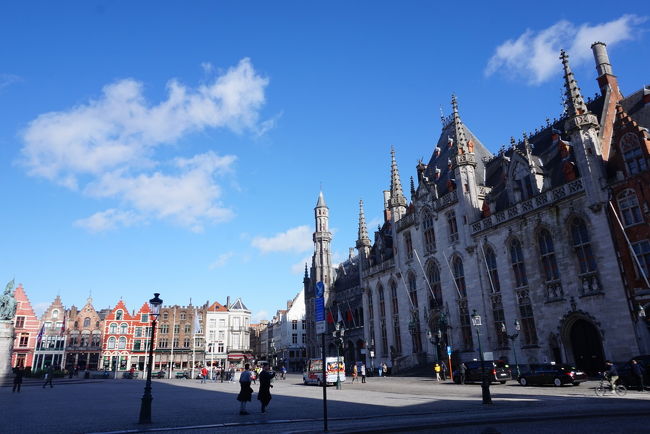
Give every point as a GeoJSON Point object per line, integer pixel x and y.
{"type": "Point", "coordinates": [8, 303]}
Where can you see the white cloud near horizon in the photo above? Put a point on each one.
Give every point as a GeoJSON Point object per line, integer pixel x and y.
{"type": "Point", "coordinates": [298, 239]}
{"type": "Point", "coordinates": [221, 260]}
{"type": "Point", "coordinates": [105, 148]}
{"type": "Point", "coordinates": [534, 55]}
{"type": "Point", "coordinates": [259, 316]}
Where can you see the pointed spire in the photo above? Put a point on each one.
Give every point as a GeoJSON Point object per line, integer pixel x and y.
{"type": "Point", "coordinates": [574, 101]}
{"type": "Point", "coordinates": [396, 195]}
{"type": "Point", "coordinates": [363, 239]}
{"type": "Point", "coordinates": [321, 201]}
{"type": "Point", "coordinates": [528, 149]}
{"type": "Point", "coordinates": [459, 131]}
{"type": "Point", "coordinates": [306, 275]}
{"type": "Point", "coordinates": [412, 189]}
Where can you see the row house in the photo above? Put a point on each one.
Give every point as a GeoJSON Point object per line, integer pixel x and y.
{"type": "Point", "coordinates": [289, 335]}
{"type": "Point", "coordinates": [228, 334]}
{"type": "Point", "coordinates": [257, 332]}
{"type": "Point", "coordinates": [50, 347]}
{"type": "Point", "coordinates": [180, 338]}
{"type": "Point", "coordinates": [84, 337]}
{"type": "Point", "coordinates": [26, 328]}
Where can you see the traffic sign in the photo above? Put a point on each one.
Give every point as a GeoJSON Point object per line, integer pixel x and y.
{"type": "Point", "coordinates": [449, 350]}
{"type": "Point", "coordinates": [319, 306]}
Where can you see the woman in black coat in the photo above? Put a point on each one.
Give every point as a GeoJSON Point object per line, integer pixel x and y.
{"type": "Point", "coordinates": [264, 395]}
{"type": "Point", "coordinates": [246, 391]}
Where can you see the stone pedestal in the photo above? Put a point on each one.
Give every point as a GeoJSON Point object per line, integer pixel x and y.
{"type": "Point", "coordinates": [6, 345]}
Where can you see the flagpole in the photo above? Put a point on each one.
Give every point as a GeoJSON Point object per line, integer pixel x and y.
{"type": "Point", "coordinates": [636, 260]}
{"type": "Point", "coordinates": [171, 356]}
{"type": "Point", "coordinates": [425, 276]}
{"type": "Point", "coordinates": [453, 279]}
{"type": "Point", "coordinates": [487, 267]}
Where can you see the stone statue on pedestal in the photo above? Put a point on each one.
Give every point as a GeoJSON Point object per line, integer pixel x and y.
{"type": "Point", "coordinates": [7, 312]}
{"type": "Point", "coordinates": [8, 303]}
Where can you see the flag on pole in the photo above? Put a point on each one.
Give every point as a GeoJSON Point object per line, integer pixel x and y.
{"type": "Point", "coordinates": [197, 323]}
{"type": "Point", "coordinates": [340, 318]}
{"type": "Point", "coordinates": [62, 328]}
{"type": "Point", "coordinates": [330, 317]}
{"type": "Point", "coordinates": [39, 337]}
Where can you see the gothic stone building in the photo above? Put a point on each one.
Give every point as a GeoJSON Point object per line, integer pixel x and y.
{"type": "Point", "coordinates": [521, 238]}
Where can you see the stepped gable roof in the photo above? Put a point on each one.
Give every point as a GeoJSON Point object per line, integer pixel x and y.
{"type": "Point", "coordinates": [120, 306]}
{"type": "Point", "coordinates": [238, 305]}
{"type": "Point", "coordinates": [144, 308]}
{"type": "Point", "coordinates": [217, 307]}
{"type": "Point", "coordinates": [25, 305]}
{"type": "Point", "coordinates": [446, 153]}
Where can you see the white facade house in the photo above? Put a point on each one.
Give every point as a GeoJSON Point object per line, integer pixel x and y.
{"type": "Point", "coordinates": [287, 335]}
{"type": "Point", "coordinates": [227, 334]}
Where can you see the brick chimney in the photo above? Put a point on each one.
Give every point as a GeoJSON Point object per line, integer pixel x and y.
{"type": "Point", "coordinates": [610, 91]}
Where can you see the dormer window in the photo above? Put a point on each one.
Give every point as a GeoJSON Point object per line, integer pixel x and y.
{"type": "Point", "coordinates": [635, 161]}
{"type": "Point", "coordinates": [118, 315]}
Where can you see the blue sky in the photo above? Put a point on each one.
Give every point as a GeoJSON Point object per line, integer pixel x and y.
{"type": "Point", "coordinates": [179, 147]}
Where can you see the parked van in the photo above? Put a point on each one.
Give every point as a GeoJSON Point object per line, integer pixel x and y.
{"type": "Point", "coordinates": [314, 371]}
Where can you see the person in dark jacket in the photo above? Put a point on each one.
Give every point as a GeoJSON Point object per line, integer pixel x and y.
{"type": "Point", "coordinates": [264, 394]}
{"type": "Point", "coordinates": [49, 376]}
{"type": "Point", "coordinates": [19, 373]}
{"type": "Point", "coordinates": [246, 391]}
{"type": "Point", "coordinates": [638, 371]}
{"type": "Point", "coordinates": [611, 374]}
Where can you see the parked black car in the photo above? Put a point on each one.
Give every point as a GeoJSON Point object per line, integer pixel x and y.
{"type": "Point", "coordinates": [497, 371]}
{"type": "Point", "coordinates": [627, 378]}
{"type": "Point", "coordinates": [551, 373]}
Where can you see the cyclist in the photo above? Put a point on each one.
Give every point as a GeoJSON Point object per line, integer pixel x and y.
{"type": "Point", "coordinates": [611, 374]}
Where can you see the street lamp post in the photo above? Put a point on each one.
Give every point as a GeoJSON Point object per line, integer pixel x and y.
{"type": "Point", "coordinates": [338, 334]}
{"type": "Point", "coordinates": [485, 383]}
{"type": "Point", "coordinates": [145, 406]}
{"type": "Point", "coordinates": [512, 338]}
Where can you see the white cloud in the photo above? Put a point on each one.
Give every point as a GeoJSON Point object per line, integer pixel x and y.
{"type": "Point", "coordinates": [106, 148]}
{"type": "Point", "coordinates": [259, 316]}
{"type": "Point", "coordinates": [298, 239]}
{"type": "Point", "coordinates": [221, 260]}
{"type": "Point", "coordinates": [534, 56]}
{"type": "Point", "coordinates": [108, 220]}
{"type": "Point", "coordinates": [7, 80]}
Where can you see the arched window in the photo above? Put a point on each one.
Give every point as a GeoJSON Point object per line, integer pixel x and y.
{"type": "Point", "coordinates": [382, 320]}
{"type": "Point", "coordinates": [382, 307]}
{"type": "Point", "coordinates": [118, 315]}
{"type": "Point", "coordinates": [87, 322]}
{"type": "Point", "coordinates": [453, 226]}
{"type": "Point", "coordinates": [459, 276]}
{"type": "Point", "coordinates": [124, 327]}
{"type": "Point", "coordinates": [408, 245]}
{"type": "Point", "coordinates": [491, 261]}
{"type": "Point", "coordinates": [582, 246]}
{"type": "Point", "coordinates": [518, 266]}
{"type": "Point", "coordinates": [112, 328]}
{"type": "Point", "coordinates": [371, 317]}
{"type": "Point", "coordinates": [396, 329]}
{"type": "Point", "coordinates": [429, 234]}
{"type": "Point", "coordinates": [628, 203]}
{"type": "Point", "coordinates": [433, 274]}
{"type": "Point", "coordinates": [633, 154]}
{"type": "Point", "coordinates": [547, 253]}
{"type": "Point", "coordinates": [414, 325]}
{"type": "Point", "coordinates": [55, 314]}
{"type": "Point", "coordinates": [121, 343]}
{"type": "Point", "coordinates": [111, 343]}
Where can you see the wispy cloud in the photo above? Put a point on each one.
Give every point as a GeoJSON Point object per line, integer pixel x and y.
{"type": "Point", "coordinates": [298, 239]}
{"type": "Point", "coordinates": [106, 148]}
{"type": "Point", "coordinates": [7, 80]}
{"type": "Point", "coordinates": [108, 220]}
{"type": "Point", "coordinates": [221, 260]}
{"type": "Point", "coordinates": [533, 56]}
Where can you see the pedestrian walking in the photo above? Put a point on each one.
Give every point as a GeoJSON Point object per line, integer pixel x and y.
{"type": "Point", "coordinates": [49, 375]}
{"type": "Point", "coordinates": [363, 372]}
{"type": "Point", "coordinates": [354, 372]}
{"type": "Point", "coordinates": [437, 370]}
{"type": "Point", "coordinates": [204, 374]}
{"type": "Point", "coordinates": [444, 371]}
{"type": "Point", "coordinates": [231, 374]}
{"type": "Point", "coordinates": [284, 372]}
{"type": "Point", "coordinates": [638, 371]}
{"type": "Point", "coordinates": [246, 391]}
{"type": "Point", "coordinates": [384, 369]}
{"type": "Point", "coordinates": [264, 394]}
{"type": "Point", "coordinates": [380, 370]}
{"type": "Point", "coordinates": [222, 372]}
{"type": "Point", "coordinates": [19, 373]}
{"type": "Point", "coordinates": [463, 370]}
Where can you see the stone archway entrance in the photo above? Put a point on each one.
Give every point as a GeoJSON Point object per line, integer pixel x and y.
{"type": "Point", "coordinates": [587, 346]}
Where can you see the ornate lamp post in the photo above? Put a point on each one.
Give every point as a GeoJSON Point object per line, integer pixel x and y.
{"type": "Point", "coordinates": [338, 334]}
{"type": "Point", "coordinates": [485, 383]}
{"type": "Point", "coordinates": [512, 338]}
{"type": "Point", "coordinates": [145, 406]}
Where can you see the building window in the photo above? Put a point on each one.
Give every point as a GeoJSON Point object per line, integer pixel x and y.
{"type": "Point", "coordinates": [113, 329]}
{"type": "Point", "coordinates": [165, 315]}
{"type": "Point", "coordinates": [642, 252]}
{"type": "Point", "coordinates": [212, 323]}
{"type": "Point", "coordinates": [121, 343]}
{"type": "Point", "coordinates": [453, 226]}
{"type": "Point", "coordinates": [222, 335]}
{"type": "Point", "coordinates": [136, 345]}
{"type": "Point", "coordinates": [628, 203]}
{"type": "Point", "coordinates": [459, 276]}
{"type": "Point", "coordinates": [222, 323]}
{"type": "Point", "coordinates": [164, 329]}
{"type": "Point", "coordinates": [87, 322]}
{"type": "Point", "coordinates": [175, 343]}
{"type": "Point", "coordinates": [493, 273]}
{"type": "Point", "coordinates": [95, 340]}
{"type": "Point", "coordinates": [435, 301]}
{"type": "Point", "coordinates": [124, 328]}
{"type": "Point", "coordinates": [429, 234]}
{"type": "Point", "coordinates": [236, 339]}
{"type": "Point", "coordinates": [632, 154]}
{"type": "Point", "coordinates": [304, 339]}
{"type": "Point", "coordinates": [138, 332]}
{"type": "Point", "coordinates": [118, 315]}
{"type": "Point", "coordinates": [55, 314]}
{"type": "Point", "coordinates": [527, 319]}
{"type": "Point", "coordinates": [220, 347]}
{"type": "Point", "coordinates": [20, 322]}
{"type": "Point", "coordinates": [397, 338]}
{"type": "Point", "coordinates": [414, 325]}
{"type": "Point", "coordinates": [294, 324]}
{"type": "Point", "coordinates": [547, 253]}
{"type": "Point", "coordinates": [177, 328]}
{"type": "Point", "coordinates": [294, 338]}
{"type": "Point", "coordinates": [145, 317]}
{"type": "Point", "coordinates": [188, 328]}
{"type": "Point", "coordinates": [518, 266]}
{"type": "Point", "coordinates": [304, 324]}
{"type": "Point", "coordinates": [371, 317]}
{"type": "Point", "coordinates": [24, 340]}
{"type": "Point", "coordinates": [382, 320]}
{"type": "Point", "coordinates": [408, 245]}
{"type": "Point", "coordinates": [111, 343]}
{"type": "Point", "coordinates": [582, 246]}
{"type": "Point", "coordinates": [186, 343]}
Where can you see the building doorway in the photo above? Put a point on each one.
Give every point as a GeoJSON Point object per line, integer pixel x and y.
{"type": "Point", "coordinates": [587, 346]}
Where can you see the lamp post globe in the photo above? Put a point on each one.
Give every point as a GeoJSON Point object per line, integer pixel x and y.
{"type": "Point", "coordinates": [145, 405]}
{"type": "Point", "coordinates": [485, 383]}
{"type": "Point", "coordinates": [512, 338]}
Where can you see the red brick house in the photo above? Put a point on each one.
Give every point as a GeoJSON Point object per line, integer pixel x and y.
{"type": "Point", "coordinates": [117, 340]}
{"type": "Point", "coordinates": [27, 326]}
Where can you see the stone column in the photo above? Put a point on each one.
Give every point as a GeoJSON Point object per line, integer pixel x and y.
{"type": "Point", "coordinates": [6, 347]}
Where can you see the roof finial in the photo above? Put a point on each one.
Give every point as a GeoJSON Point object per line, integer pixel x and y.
{"type": "Point", "coordinates": [574, 102]}
{"type": "Point", "coordinates": [459, 132]}
{"type": "Point", "coordinates": [306, 275]}
{"type": "Point", "coordinates": [412, 189]}
{"type": "Point", "coordinates": [396, 194]}
{"type": "Point", "coordinates": [321, 200]}
{"type": "Point", "coordinates": [363, 239]}
{"type": "Point", "coordinates": [528, 149]}
{"type": "Point", "coordinates": [442, 117]}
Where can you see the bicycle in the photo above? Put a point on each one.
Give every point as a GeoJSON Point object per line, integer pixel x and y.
{"type": "Point", "coordinates": [605, 384]}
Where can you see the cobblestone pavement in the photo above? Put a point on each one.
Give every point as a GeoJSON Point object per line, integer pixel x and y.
{"type": "Point", "coordinates": [394, 404]}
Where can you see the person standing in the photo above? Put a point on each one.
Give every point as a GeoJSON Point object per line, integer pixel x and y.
{"type": "Point", "coordinates": [284, 372]}
{"type": "Point", "coordinates": [354, 372]}
{"type": "Point", "coordinates": [231, 374]}
{"type": "Point", "coordinates": [363, 372]}
{"type": "Point", "coordinates": [48, 376]}
{"type": "Point", "coordinates": [463, 371]}
{"type": "Point", "coordinates": [638, 371]}
{"type": "Point", "coordinates": [222, 372]}
{"type": "Point", "coordinates": [384, 368]}
{"type": "Point", "coordinates": [380, 369]}
{"type": "Point", "coordinates": [204, 374]}
{"type": "Point", "coordinates": [444, 371]}
{"type": "Point", "coordinates": [437, 369]}
{"type": "Point", "coordinates": [245, 391]}
{"type": "Point", "coordinates": [264, 394]}
{"type": "Point", "coordinates": [19, 373]}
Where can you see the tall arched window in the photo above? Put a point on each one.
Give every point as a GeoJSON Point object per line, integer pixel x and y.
{"type": "Point", "coordinates": [121, 343]}
{"type": "Point", "coordinates": [87, 322]}
{"type": "Point", "coordinates": [382, 320]}
{"type": "Point", "coordinates": [124, 327]}
{"type": "Point", "coordinates": [434, 280]}
{"type": "Point", "coordinates": [491, 260]}
{"type": "Point", "coordinates": [628, 203]}
{"type": "Point", "coordinates": [118, 315]}
{"type": "Point", "coordinates": [459, 276]}
{"type": "Point", "coordinates": [495, 297]}
{"type": "Point", "coordinates": [463, 309]}
{"type": "Point", "coordinates": [549, 265]}
{"type": "Point", "coordinates": [429, 234]}
{"type": "Point", "coordinates": [518, 266]}
{"type": "Point", "coordinates": [111, 343]}
{"type": "Point", "coordinates": [633, 154]}
{"type": "Point", "coordinates": [112, 328]}
{"type": "Point", "coordinates": [582, 246]}
{"type": "Point", "coordinates": [396, 329]}
{"type": "Point", "coordinates": [371, 317]}
{"type": "Point", "coordinates": [414, 325]}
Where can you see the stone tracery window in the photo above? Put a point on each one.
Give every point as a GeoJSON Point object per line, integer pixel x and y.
{"type": "Point", "coordinates": [628, 203]}
{"type": "Point", "coordinates": [429, 234]}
